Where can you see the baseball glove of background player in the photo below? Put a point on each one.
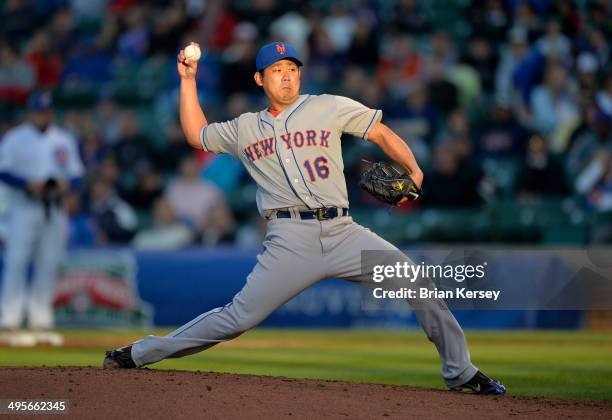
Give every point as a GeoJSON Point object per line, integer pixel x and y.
{"type": "Point", "coordinates": [388, 184]}
{"type": "Point", "coordinates": [51, 196]}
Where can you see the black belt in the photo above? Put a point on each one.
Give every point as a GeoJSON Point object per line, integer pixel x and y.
{"type": "Point", "coordinates": [319, 214]}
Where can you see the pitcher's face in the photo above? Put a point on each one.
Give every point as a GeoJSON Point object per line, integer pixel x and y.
{"type": "Point", "coordinates": [280, 81]}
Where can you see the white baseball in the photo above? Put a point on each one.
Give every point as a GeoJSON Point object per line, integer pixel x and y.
{"type": "Point", "coordinates": [192, 52]}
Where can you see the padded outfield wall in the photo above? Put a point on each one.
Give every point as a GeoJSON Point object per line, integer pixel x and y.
{"type": "Point", "coordinates": [121, 287]}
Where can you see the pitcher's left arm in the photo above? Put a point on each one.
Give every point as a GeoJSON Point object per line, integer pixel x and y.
{"type": "Point", "coordinates": [397, 150]}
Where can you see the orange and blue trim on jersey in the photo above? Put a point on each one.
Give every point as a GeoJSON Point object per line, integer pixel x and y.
{"type": "Point", "coordinates": [265, 147]}
{"type": "Point", "coordinates": [365, 133]}
{"type": "Point", "coordinates": [280, 162]}
{"type": "Point", "coordinates": [202, 141]}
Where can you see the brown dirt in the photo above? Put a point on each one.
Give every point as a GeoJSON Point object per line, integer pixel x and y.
{"type": "Point", "coordinates": [144, 394]}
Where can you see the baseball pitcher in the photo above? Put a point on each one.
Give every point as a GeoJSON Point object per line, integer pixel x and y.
{"type": "Point", "coordinates": [292, 150]}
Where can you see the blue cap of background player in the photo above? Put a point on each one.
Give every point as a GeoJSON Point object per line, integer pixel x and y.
{"type": "Point", "coordinates": [40, 101]}
{"type": "Point", "coordinates": [271, 53]}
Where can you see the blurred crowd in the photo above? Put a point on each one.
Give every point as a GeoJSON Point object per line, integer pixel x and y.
{"type": "Point", "coordinates": [498, 99]}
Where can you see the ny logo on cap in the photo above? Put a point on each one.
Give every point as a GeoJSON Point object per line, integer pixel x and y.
{"type": "Point", "coordinates": [280, 48]}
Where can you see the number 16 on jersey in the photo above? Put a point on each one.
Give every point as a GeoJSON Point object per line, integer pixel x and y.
{"type": "Point", "coordinates": [319, 166]}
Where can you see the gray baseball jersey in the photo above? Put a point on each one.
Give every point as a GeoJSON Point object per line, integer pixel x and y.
{"type": "Point", "coordinates": [296, 157]}
{"type": "Point", "coordinates": [296, 160]}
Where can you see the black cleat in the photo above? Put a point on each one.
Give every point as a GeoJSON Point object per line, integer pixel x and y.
{"type": "Point", "coordinates": [481, 384]}
{"type": "Point", "coordinates": [120, 358]}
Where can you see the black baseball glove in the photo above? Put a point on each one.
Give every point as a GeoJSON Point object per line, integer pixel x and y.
{"type": "Point", "coordinates": [388, 184]}
{"type": "Point", "coordinates": [51, 191]}
{"type": "Point", "coordinates": [51, 196]}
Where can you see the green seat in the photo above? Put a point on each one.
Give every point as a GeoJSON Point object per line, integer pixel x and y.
{"type": "Point", "coordinates": [570, 235]}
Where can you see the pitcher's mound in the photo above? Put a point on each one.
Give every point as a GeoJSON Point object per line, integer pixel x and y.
{"type": "Point", "coordinates": [144, 393]}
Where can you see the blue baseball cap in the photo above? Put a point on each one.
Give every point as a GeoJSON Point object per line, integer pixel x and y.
{"type": "Point", "coordinates": [271, 53]}
{"type": "Point", "coordinates": [40, 101]}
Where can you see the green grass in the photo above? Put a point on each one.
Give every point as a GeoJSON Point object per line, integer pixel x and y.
{"type": "Point", "coordinates": [576, 365]}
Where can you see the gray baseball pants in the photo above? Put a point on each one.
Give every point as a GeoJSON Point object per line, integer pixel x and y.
{"type": "Point", "coordinates": [297, 254]}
